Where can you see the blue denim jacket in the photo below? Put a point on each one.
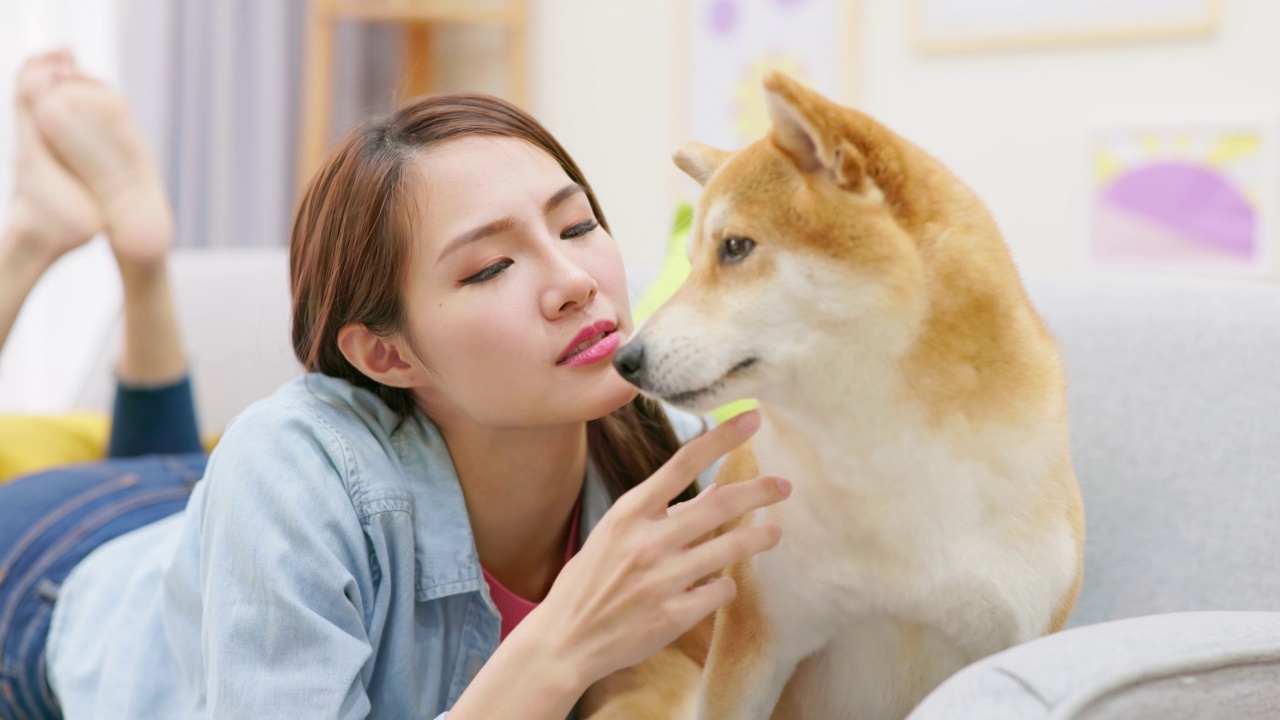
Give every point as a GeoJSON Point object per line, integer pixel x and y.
{"type": "Point", "coordinates": [324, 568]}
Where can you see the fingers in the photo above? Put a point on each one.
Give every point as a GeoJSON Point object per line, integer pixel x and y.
{"type": "Point", "coordinates": [680, 507]}
{"type": "Point", "coordinates": [36, 76]}
{"type": "Point", "coordinates": [733, 547]}
{"type": "Point", "coordinates": [727, 503]}
{"type": "Point", "coordinates": [653, 495]}
{"type": "Point", "coordinates": [691, 606]}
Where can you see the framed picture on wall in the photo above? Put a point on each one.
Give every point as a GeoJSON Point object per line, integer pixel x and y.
{"type": "Point", "coordinates": [1193, 198]}
{"type": "Point", "coordinates": [731, 44]}
{"type": "Point", "coordinates": [724, 49]}
{"type": "Point", "coordinates": [954, 25]}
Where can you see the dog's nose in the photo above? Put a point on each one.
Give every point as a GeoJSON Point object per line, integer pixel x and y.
{"type": "Point", "coordinates": [629, 361]}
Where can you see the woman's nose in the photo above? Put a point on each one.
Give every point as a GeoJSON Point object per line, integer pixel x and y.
{"type": "Point", "coordinates": [571, 287]}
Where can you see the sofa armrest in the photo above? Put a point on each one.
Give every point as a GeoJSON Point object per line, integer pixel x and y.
{"type": "Point", "coordinates": [1170, 666]}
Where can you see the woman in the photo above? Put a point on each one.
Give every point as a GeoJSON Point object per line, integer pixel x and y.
{"type": "Point", "coordinates": [401, 532]}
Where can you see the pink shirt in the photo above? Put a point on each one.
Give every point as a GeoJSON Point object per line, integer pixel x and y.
{"type": "Point", "coordinates": [513, 608]}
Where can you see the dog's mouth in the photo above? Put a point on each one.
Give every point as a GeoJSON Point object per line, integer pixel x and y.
{"type": "Point", "coordinates": [688, 397]}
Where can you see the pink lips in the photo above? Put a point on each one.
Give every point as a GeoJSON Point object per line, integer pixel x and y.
{"type": "Point", "coordinates": [592, 344]}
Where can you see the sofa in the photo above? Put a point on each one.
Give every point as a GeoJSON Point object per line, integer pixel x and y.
{"type": "Point", "coordinates": [1174, 391]}
{"type": "Point", "coordinates": [233, 311]}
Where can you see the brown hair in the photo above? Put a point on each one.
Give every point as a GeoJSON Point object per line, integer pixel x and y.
{"type": "Point", "coordinates": [348, 259]}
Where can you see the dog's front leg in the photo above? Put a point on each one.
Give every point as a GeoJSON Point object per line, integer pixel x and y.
{"type": "Point", "coordinates": [751, 658]}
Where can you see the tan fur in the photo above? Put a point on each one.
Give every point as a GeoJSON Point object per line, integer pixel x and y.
{"type": "Point", "coordinates": [647, 690]}
{"type": "Point", "coordinates": [1069, 497]}
{"type": "Point", "coordinates": [910, 392]}
{"type": "Point", "coordinates": [741, 633]}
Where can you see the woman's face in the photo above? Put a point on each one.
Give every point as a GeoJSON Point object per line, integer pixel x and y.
{"type": "Point", "coordinates": [516, 297]}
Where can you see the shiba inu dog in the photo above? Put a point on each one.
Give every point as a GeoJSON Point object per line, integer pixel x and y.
{"type": "Point", "coordinates": [910, 392]}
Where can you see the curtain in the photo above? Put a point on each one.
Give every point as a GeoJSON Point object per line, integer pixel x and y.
{"type": "Point", "coordinates": [217, 86]}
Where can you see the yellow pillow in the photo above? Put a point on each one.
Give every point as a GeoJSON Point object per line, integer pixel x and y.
{"type": "Point", "coordinates": [675, 269]}
{"type": "Point", "coordinates": [30, 443]}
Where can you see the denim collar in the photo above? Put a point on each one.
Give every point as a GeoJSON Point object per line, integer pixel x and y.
{"type": "Point", "coordinates": [445, 558]}
{"type": "Point", "coordinates": [445, 549]}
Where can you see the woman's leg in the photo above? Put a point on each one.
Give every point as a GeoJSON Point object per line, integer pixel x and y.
{"type": "Point", "coordinates": [90, 128]}
{"type": "Point", "coordinates": [51, 521]}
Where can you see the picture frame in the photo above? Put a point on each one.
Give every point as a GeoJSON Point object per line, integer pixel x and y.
{"type": "Point", "coordinates": [941, 26]}
{"type": "Point", "coordinates": [1196, 196]}
{"type": "Point", "coordinates": [722, 51]}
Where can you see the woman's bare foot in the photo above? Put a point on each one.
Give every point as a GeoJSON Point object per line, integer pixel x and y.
{"type": "Point", "coordinates": [92, 131]}
{"type": "Point", "coordinates": [92, 135]}
{"type": "Point", "coordinates": [51, 211]}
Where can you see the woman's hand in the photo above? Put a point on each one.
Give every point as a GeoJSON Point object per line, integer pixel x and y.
{"type": "Point", "coordinates": [632, 589]}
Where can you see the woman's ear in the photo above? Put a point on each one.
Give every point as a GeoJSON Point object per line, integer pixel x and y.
{"type": "Point", "coordinates": [380, 358]}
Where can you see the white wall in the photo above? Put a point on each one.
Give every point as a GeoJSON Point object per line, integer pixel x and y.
{"type": "Point", "coordinates": [602, 76]}
{"type": "Point", "coordinates": [1015, 124]}
{"type": "Point", "coordinates": [600, 80]}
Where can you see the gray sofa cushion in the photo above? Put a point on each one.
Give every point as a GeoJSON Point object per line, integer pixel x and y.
{"type": "Point", "coordinates": [233, 309]}
{"type": "Point", "coordinates": [1178, 666]}
{"type": "Point", "coordinates": [1175, 420]}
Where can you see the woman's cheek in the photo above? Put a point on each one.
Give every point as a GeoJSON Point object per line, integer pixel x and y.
{"type": "Point", "coordinates": [612, 279]}
{"type": "Point", "coordinates": [495, 329]}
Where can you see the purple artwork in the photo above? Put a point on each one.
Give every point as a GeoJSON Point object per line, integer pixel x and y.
{"type": "Point", "coordinates": [733, 43]}
{"type": "Point", "coordinates": [1185, 205]}
{"type": "Point", "coordinates": [1192, 203]}
{"type": "Point", "coordinates": [724, 16]}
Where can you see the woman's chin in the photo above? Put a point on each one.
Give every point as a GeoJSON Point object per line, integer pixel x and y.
{"type": "Point", "coordinates": [615, 394]}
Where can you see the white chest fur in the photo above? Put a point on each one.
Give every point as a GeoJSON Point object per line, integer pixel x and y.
{"type": "Point", "coordinates": [907, 551]}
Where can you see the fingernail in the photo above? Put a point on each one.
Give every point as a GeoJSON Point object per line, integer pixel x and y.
{"type": "Point", "coordinates": [707, 490]}
{"type": "Point", "coordinates": [784, 486]}
{"type": "Point", "coordinates": [748, 421]}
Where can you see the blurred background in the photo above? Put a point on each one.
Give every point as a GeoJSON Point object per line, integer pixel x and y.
{"type": "Point", "coordinates": [1134, 136]}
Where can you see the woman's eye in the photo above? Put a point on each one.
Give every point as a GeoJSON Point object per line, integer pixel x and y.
{"type": "Point", "coordinates": [734, 249]}
{"type": "Point", "coordinates": [488, 273]}
{"type": "Point", "coordinates": [582, 228]}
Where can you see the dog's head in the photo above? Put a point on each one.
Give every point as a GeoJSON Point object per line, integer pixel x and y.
{"type": "Point", "coordinates": [803, 255]}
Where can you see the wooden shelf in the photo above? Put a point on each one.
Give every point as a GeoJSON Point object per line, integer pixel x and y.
{"type": "Point", "coordinates": [450, 11]}
{"type": "Point", "coordinates": [420, 20]}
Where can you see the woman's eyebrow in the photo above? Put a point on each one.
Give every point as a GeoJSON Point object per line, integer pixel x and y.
{"type": "Point", "coordinates": [502, 225]}
{"type": "Point", "coordinates": [561, 195]}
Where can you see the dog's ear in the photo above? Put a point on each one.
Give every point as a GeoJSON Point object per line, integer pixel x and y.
{"type": "Point", "coordinates": [803, 126]}
{"type": "Point", "coordinates": [699, 161]}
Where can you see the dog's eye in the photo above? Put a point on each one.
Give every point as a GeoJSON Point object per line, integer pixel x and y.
{"type": "Point", "coordinates": [734, 249]}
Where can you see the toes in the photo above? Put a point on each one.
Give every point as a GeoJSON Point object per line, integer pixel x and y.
{"type": "Point", "coordinates": [35, 77]}
{"type": "Point", "coordinates": [62, 60]}
{"type": "Point", "coordinates": [41, 72]}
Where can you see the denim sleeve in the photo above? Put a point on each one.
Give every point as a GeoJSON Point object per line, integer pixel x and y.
{"type": "Point", "coordinates": [285, 575]}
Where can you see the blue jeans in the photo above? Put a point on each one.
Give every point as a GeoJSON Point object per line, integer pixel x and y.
{"type": "Point", "coordinates": [50, 521]}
